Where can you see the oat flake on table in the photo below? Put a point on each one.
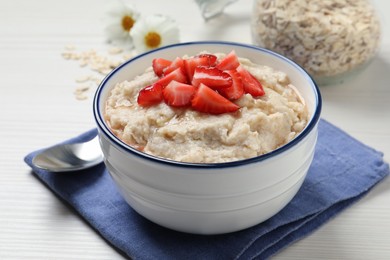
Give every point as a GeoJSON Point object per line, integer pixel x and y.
{"type": "Point", "coordinates": [98, 65]}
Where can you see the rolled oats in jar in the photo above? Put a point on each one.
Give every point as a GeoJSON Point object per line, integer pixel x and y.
{"type": "Point", "coordinates": [331, 39]}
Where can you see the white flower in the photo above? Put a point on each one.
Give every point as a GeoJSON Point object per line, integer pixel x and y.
{"type": "Point", "coordinates": [153, 32]}
{"type": "Point", "coordinates": [120, 19]}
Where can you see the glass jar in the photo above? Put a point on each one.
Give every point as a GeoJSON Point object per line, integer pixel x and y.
{"type": "Point", "coordinates": [331, 39]}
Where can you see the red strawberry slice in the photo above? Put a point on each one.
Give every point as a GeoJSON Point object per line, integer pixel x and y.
{"type": "Point", "coordinates": [159, 64]}
{"type": "Point", "coordinates": [150, 95]}
{"type": "Point", "coordinates": [211, 77]}
{"type": "Point", "coordinates": [176, 63]}
{"type": "Point", "coordinates": [190, 64]}
{"type": "Point", "coordinates": [236, 90]}
{"type": "Point", "coordinates": [178, 94]}
{"type": "Point", "coordinates": [250, 83]}
{"type": "Point", "coordinates": [211, 59]}
{"type": "Point", "coordinates": [229, 62]}
{"type": "Point", "coordinates": [178, 75]}
{"type": "Point", "coordinates": [207, 100]}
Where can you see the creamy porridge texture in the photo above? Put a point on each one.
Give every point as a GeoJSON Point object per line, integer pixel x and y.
{"type": "Point", "coordinates": [261, 125]}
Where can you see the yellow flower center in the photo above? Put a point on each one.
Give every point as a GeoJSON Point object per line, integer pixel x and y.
{"type": "Point", "coordinates": [127, 23]}
{"type": "Point", "coordinates": [152, 40]}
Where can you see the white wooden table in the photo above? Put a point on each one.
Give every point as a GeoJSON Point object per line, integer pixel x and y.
{"type": "Point", "coordinates": [38, 108]}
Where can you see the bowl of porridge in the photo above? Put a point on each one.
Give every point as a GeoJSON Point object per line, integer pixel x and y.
{"type": "Point", "coordinates": [208, 137]}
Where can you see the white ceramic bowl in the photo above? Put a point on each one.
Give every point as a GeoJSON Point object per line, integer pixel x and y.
{"type": "Point", "coordinates": [209, 198]}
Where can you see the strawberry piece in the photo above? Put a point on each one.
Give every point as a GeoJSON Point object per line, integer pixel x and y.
{"type": "Point", "coordinates": [178, 75]}
{"type": "Point", "coordinates": [150, 95]}
{"type": "Point", "coordinates": [209, 101]}
{"type": "Point", "coordinates": [211, 77]}
{"type": "Point", "coordinates": [205, 60]}
{"type": "Point", "coordinates": [211, 59]}
{"type": "Point", "coordinates": [250, 83]}
{"type": "Point", "coordinates": [229, 62]}
{"type": "Point", "coordinates": [176, 63]}
{"type": "Point", "coordinates": [159, 64]}
{"type": "Point", "coordinates": [236, 90]}
{"type": "Point", "coordinates": [178, 94]}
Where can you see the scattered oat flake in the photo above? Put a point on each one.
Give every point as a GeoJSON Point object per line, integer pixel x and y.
{"type": "Point", "coordinates": [98, 81]}
{"type": "Point", "coordinates": [82, 79]}
{"type": "Point", "coordinates": [66, 55]}
{"type": "Point", "coordinates": [82, 88]}
{"type": "Point", "coordinates": [106, 71]}
{"type": "Point", "coordinates": [99, 65]}
{"type": "Point", "coordinates": [128, 56]}
{"type": "Point", "coordinates": [115, 50]}
{"type": "Point", "coordinates": [81, 96]}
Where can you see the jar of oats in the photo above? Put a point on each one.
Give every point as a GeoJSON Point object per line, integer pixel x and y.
{"type": "Point", "coordinates": [331, 39]}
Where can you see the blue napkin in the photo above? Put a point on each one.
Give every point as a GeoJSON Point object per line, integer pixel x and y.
{"type": "Point", "coordinates": [343, 170]}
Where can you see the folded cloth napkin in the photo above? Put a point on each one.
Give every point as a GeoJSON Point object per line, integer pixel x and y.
{"type": "Point", "coordinates": [343, 170]}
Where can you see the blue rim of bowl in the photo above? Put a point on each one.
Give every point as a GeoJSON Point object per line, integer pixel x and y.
{"type": "Point", "coordinates": [107, 132]}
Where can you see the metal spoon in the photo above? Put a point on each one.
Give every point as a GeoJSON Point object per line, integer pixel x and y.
{"type": "Point", "coordinates": [70, 157]}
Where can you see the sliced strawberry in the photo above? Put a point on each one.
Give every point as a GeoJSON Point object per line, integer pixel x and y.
{"type": "Point", "coordinates": [178, 75]}
{"type": "Point", "coordinates": [229, 62]}
{"type": "Point", "coordinates": [159, 64]}
{"type": "Point", "coordinates": [178, 94]}
{"type": "Point", "coordinates": [211, 77]}
{"type": "Point", "coordinates": [150, 95]}
{"type": "Point", "coordinates": [176, 63]}
{"type": "Point", "coordinates": [236, 90]}
{"type": "Point", "coordinates": [190, 64]}
{"type": "Point", "coordinates": [211, 59]}
{"type": "Point", "coordinates": [250, 83]}
{"type": "Point", "coordinates": [209, 101]}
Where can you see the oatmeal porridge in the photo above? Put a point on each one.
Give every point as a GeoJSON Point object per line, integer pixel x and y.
{"type": "Point", "coordinates": [205, 124]}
